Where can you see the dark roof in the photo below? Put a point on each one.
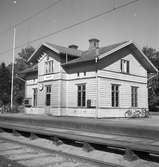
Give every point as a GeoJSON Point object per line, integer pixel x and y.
{"type": "Point", "coordinates": [33, 68]}
{"type": "Point", "coordinates": [91, 54]}
{"type": "Point", "coordinates": [64, 50]}
{"type": "Point", "coordinates": [56, 48]}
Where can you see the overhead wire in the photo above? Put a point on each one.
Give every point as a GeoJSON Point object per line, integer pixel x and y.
{"type": "Point", "coordinates": [37, 13]}
{"type": "Point", "coordinates": [30, 17]}
{"type": "Point", "coordinates": [74, 25]}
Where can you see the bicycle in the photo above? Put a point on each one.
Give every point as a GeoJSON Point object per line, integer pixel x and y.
{"type": "Point", "coordinates": [132, 114]}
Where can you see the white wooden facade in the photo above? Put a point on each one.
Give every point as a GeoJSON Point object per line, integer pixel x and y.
{"type": "Point", "coordinates": [98, 78]}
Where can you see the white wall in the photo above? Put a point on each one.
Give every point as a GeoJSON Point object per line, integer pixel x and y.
{"type": "Point", "coordinates": [71, 94]}
{"type": "Point", "coordinates": [29, 86]}
{"type": "Point", "coordinates": [56, 64]}
{"type": "Point", "coordinates": [135, 67]}
{"type": "Point", "coordinates": [124, 93]}
{"type": "Point", "coordinates": [64, 88]}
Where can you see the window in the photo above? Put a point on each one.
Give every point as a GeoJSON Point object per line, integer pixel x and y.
{"type": "Point", "coordinates": [78, 74]}
{"type": "Point", "coordinates": [84, 73]}
{"type": "Point", "coordinates": [35, 92]}
{"type": "Point", "coordinates": [49, 67]}
{"type": "Point", "coordinates": [115, 95]}
{"type": "Point", "coordinates": [48, 95]}
{"type": "Point", "coordinates": [124, 66]}
{"type": "Point", "coordinates": [134, 96]}
{"type": "Point", "coordinates": [81, 99]}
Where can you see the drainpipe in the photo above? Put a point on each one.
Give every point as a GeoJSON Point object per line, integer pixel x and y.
{"type": "Point", "coordinates": [97, 90]}
{"type": "Point", "coordinates": [66, 58]}
{"type": "Point", "coordinates": [60, 92]}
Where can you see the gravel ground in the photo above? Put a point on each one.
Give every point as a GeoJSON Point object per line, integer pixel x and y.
{"type": "Point", "coordinates": [95, 154]}
{"type": "Point", "coordinates": [19, 155]}
{"type": "Point", "coordinates": [4, 162]}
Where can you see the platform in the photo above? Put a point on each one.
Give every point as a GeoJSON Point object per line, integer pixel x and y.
{"type": "Point", "coordinates": [117, 133]}
{"type": "Point", "coordinates": [143, 127]}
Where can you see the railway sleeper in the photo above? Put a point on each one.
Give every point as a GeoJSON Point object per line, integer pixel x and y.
{"type": "Point", "coordinates": [16, 133]}
{"type": "Point", "coordinates": [56, 140]}
{"type": "Point", "coordinates": [130, 155]}
{"type": "Point", "coordinates": [33, 136]}
{"type": "Point", "coordinates": [1, 130]}
{"type": "Point", "coordinates": [87, 147]}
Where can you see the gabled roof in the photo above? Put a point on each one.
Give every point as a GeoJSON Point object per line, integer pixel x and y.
{"type": "Point", "coordinates": [64, 50]}
{"type": "Point", "coordinates": [91, 54]}
{"type": "Point", "coordinates": [33, 68]}
{"type": "Point", "coordinates": [57, 49]}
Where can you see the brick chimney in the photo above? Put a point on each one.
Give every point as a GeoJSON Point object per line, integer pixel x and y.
{"type": "Point", "coordinates": [73, 47]}
{"type": "Point", "coordinates": [93, 43]}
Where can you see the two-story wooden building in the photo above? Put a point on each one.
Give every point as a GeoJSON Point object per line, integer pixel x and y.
{"type": "Point", "coordinates": [100, 82]}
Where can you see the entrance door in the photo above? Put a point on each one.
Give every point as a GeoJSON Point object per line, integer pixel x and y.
{"type": "Point", "coordinates": [48, 99]}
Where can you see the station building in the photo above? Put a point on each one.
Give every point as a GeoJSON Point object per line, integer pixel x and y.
{"type": "Point", "coordinates": [99, 82]}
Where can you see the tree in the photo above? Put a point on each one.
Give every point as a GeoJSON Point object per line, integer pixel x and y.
{"type": "Point", "coordinates": [153, 83]}
{"type": "Point", "coordinates": [153, 55]}
{"type": "Point", "coordinates": [20, 65]}
{"type": "Point", "coordinates": [5, 84]}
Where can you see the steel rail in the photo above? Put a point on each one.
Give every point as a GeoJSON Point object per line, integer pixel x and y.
{"type": "Point", "coordinates": [82, 158]}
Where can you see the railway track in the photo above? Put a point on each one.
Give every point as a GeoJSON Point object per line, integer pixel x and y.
{"type": "Point", "coordinates": [141, 145]}
{"type": "Point", "coordinates": [27, 154]}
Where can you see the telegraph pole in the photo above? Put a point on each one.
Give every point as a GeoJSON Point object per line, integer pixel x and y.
{"type": "Point", "coordinates": [14, 34]}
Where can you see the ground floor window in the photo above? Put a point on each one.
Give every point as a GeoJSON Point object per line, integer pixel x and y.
{"type": "Point", "coordinates": [115, 95]}
{"type": "Point", "coordinates": [48, 95]}
{"type": "Point", "coordinates": [134, 96]}
{"type": "Point", "coordinates": [35, 93]}
{"type": "Point", "coordinates": [81, 95]}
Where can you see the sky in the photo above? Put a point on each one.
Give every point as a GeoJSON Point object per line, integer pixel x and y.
{"type": "Point", "coordinates": [138, 22]}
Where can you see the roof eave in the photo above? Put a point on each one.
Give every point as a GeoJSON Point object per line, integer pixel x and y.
{"type": "Point", "coordinates": [78, 62]}
{"type": "Point", "coordinates": [152, 68]}
{"type": "Point", "coordinates": [115, 49]}
{"type": "Point", "coordinates": [43, 44]}
{"type": "Point", "coordinates": [26, 72]}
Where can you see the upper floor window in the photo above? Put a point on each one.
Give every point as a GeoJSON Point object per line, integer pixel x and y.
{"type": "Point", "coordinates": [49, 67]}
{"type": "Point", "coordinates": [125, 66]}
{"type": "Point", "coordinates": [115, 95]}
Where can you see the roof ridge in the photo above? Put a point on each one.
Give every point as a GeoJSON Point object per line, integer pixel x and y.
{"type": "Point", "coordinates": [63, 46]}
{"type": "Point", "coordinates": [90, 54]}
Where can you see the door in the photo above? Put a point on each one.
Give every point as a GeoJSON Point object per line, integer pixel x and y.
{"type": "Point", "coordinates": [48, 99]}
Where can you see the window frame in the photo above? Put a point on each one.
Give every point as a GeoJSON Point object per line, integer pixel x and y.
{"type": "Point", "coordinates": [81, 95]}
{"type": "Point", "coordinates": [48, 95]}
{"type": "Point", "coordinates": [134, 96]}
{"type": "Point", "coordinates": [126, 69]}
{"type": "Point", "coordinates": [49, 66]}
{"type": "Point", "coordinates": [35, 95]}
{"type": "Point", "coordinates": [115, 95]}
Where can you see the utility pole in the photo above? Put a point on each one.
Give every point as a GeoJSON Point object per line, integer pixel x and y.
{"type": "Point", "coordinates": [14, 34]}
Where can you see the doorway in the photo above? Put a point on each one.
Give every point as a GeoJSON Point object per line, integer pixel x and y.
{"type": "Point", "coordinates": [48, 99]}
